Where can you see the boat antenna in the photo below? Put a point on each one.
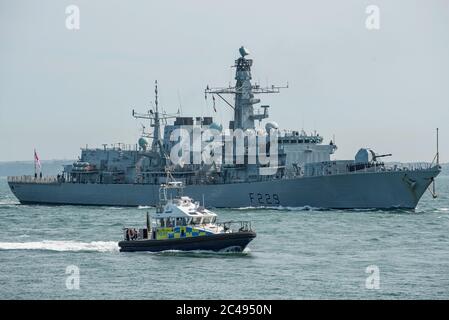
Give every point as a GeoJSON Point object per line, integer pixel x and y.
{"type": "Point", "coordinates": [148, 222]}
{"type": "Point", "coordinates": [155, 95]}
{"type": "Point", "coordinates": [203, 201]}
{"type": "Point", "coordinates": [180, 104]}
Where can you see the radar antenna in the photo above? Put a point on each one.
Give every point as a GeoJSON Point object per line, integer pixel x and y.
{"type": "Point", "coordinates": [244, 91]}
{"type": "Point", "coordinates": [155, 118]}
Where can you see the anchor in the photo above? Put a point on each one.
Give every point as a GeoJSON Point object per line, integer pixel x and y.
{"type": "Point", "coordinates": [432, 191]}
{"type": "Point", "coordinates": [411, 183]}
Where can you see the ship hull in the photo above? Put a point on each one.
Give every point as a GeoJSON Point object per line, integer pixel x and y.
{"type": "Point", "coordinates": [383, 190]}
{"type": "Point", "coordinates": [217, 242]}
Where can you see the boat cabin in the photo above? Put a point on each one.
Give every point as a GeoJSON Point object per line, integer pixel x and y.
{"type": "Point", "coordinates": [182, 211]}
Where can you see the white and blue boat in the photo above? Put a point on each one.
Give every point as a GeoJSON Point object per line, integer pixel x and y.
{"type": "Point", "coordinates": [182, 224]}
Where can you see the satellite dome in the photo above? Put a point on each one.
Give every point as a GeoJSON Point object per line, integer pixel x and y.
{"type": "Point", "coordinates": [271, 125]}
{"type": "Point", "coordinates": [143, 143]}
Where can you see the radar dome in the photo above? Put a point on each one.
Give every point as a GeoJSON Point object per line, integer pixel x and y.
{"type": "Point", "coordinates": [364, 155]}
{"type": "Point", "coordinates": [143, 143]}
{"type": "Point", "coordinates": [271, 125]}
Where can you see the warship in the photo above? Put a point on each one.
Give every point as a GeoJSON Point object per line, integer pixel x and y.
{"type": "Point", "coordinates": [292, 168]}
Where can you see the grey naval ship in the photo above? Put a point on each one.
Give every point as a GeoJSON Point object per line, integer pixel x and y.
{"type": "Point", "coordinates": [304, 175]}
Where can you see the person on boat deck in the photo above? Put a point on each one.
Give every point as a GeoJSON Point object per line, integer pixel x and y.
{"type": "Point", "coordinates": [131, 234]}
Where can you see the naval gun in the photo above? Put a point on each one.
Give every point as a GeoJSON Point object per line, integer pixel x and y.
{"type": "Point", "coordinates": [366, 155]}
{"type": "Point", "coordinates": [381, 156]}
{"type": "Point", "coordinates": [366, 158]}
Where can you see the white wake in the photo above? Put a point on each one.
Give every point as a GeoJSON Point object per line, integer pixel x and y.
{"type": "Point", "coordinates": [98, 246]}
{"type": "Point", "coordinates": [145, 207]}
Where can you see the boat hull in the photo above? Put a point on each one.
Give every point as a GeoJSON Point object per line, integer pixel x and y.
{"type": "Point", "coordinates": [360, 190]}
{"type": "Point", "coordinates": [218, 242]}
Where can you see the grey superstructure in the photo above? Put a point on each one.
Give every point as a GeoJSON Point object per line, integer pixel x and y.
{"type": "Point", "coordinates": [303, 175]}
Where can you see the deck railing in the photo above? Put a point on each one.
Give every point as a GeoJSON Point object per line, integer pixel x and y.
{"type": "Point", "coordinates": [234, 226]}
{"type": "Point", "coordinates": [328, 170]}
{"type": "Point", "coordinates": [33, 179]}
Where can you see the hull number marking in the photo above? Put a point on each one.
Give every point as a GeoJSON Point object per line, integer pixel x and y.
{"type": "Point", "coordinates": [264, 198]}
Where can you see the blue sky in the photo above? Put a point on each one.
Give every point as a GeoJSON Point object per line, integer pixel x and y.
{"type": "Point", "coordinates": [61, 89]}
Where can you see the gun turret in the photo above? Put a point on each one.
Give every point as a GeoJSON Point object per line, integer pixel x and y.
{"type": "Point", "coordinates": [375, 156]}
{"type": "Point", "coordinates": [366, 155]}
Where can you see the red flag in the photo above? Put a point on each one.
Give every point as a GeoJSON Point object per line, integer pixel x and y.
{"type": "Point", "coordinates": [36, 160]}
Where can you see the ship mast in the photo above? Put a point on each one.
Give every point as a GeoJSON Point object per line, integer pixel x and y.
{"type": "Point", "coordinates": [155, 118]}
{"type": "Point", "coordinates": [244, 91]}
{"type": "Point", "coordinates": [157, 122]}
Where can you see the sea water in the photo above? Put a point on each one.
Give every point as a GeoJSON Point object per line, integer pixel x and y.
{"type": "Point", "coordinates": [71, 252]}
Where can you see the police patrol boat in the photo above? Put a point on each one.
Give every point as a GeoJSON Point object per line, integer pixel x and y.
{"type": "Point", "coordinates": [180, 223]}
{"type": "Point", "coordinates": [304, 174]}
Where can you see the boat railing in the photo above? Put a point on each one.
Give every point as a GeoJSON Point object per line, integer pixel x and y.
{"type": "Point", "coordinates": [335, 168]}
{"type": "Point", "coordinates": [419, 166]}
{"type": "Point", "coordinates": [235, 226]}
{"type": "Point", "coordinates": [33, 179]}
